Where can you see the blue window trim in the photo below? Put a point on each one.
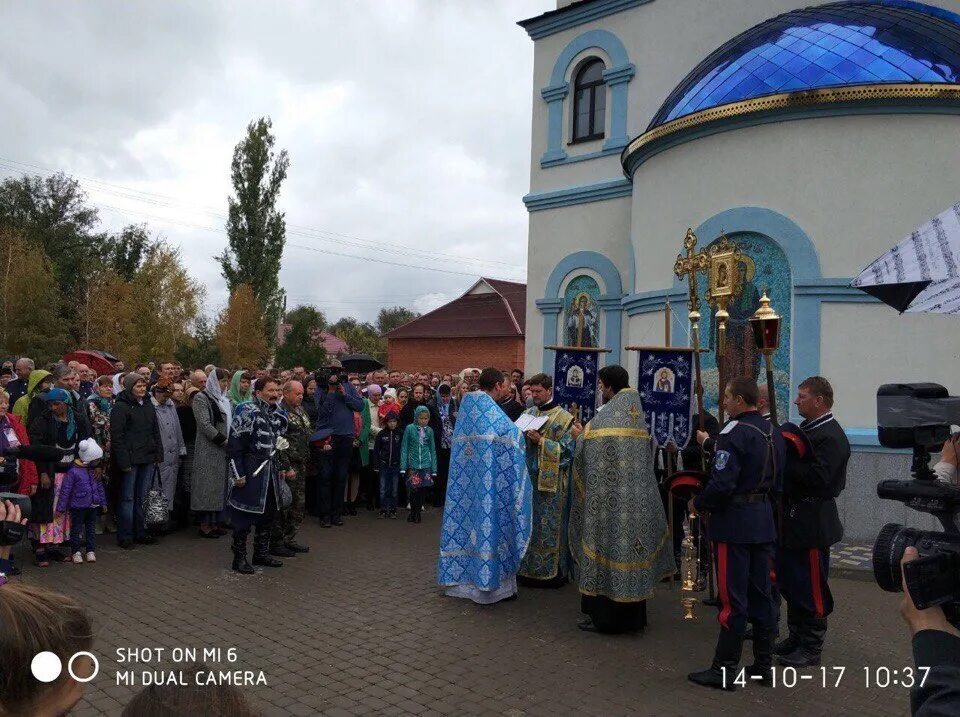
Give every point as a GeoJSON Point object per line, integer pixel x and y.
{"type": "Point", "coordinates": [550, 23]}
{"type": "Point", "coordinates": [611, 302]}
{"type": "Point", "coordinates": [581, 194]}
{"type": "Point", "coordinates": [617, 77]}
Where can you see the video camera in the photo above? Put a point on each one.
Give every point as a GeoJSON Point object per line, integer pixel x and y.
{"type": "Point", "coordinates": [919, 416]}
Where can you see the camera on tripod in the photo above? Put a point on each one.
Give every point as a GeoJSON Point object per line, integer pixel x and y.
{"type": "Point", "coordinates": [919, 416]}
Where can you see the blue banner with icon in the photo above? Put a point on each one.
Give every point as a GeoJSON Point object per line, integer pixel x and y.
{"type": "Point", "coordinates": [575, 382]}
{"type": "Point", "coordinates": [666, 392]}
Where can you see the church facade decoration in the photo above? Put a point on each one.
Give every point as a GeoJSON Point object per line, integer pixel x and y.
{"type": "Point", "coordinates": [763, 265]}
{"type": "Point", "coordinates": [581, 317]}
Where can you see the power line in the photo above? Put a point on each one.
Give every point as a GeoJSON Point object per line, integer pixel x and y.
{"type": "Point", "coordinates": [162, 200]}
{"type": "Point", "coordinates": [125, 212]}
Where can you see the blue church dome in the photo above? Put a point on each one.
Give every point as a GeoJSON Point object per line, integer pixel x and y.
{"type": "Point", "coordinates": [836, 45]}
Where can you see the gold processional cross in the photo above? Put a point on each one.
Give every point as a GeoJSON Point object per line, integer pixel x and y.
{"type": "Point", "coordinates": [688, 266]}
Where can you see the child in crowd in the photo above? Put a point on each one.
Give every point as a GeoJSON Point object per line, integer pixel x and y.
{"type": "Point", "coordinates": [389, 401]}
{"type": "Point", "coordinates": [388, 447]}
{"type": "Point", "coordinates": [418, 460]}
{"type": "Point", "coordinates": [82, 494]}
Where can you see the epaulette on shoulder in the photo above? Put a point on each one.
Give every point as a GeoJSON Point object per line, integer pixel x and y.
{"type": "Point", "coordinates": [729, 427]}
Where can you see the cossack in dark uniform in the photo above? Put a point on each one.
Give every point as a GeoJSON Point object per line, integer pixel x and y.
{"type": "Point", "coordinates": [747, 467]}
{"type": "Point", "coordinates": [811, 524]}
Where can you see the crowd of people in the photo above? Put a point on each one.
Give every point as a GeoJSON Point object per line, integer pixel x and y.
{"type": "Point", "coordinates": [145, 452]}
{"type": "Point", "coordinates": [164, 447]}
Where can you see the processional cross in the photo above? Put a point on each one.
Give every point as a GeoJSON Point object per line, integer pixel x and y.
{"type": "Point", "coordinates": [688, 266]}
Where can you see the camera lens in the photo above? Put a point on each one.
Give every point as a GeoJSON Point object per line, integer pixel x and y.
{"type": "Point", "coordinates": [888, 552]}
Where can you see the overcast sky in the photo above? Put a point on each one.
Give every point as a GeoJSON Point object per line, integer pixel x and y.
{"type": "Point", "coordinates": [407, 124]}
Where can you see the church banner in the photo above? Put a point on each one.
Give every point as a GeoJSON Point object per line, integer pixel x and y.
{"type": "Point", "coordinates": [575, 382]}
{"type": "Point", "coordinates": [666, 392]}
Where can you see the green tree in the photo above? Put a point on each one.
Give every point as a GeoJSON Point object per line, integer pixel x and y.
{"type": "Point", "coordinates": [303, 345]}
{"type": "Point", "coordinates": [390, 318]}
{"type": "Point", "coordinates": [30, 324]}
{"type": "Point", "coordinates": [256, 229]}
{"type": "Point", "coordinates": [125, 252]}
{"type": "Point", "coordinates": [239, 334]}
{"type": "Point", "coordinates": [362, 338]}
{"type": "Point", "coordinates": [200, 347]}
{"type": "Point", "coordinates": [52, 213]}
{"type": "Point", "coordinates": [165, 302]}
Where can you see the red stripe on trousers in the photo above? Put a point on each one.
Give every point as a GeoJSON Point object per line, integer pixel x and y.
{"type": "Point", "coordinates": [815, 582]}
{"type": "Point", "coordinates": [724, 616]}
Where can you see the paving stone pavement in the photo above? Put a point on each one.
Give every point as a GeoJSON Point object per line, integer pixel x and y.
{"type": "Point", "coordinates": [357, 626]}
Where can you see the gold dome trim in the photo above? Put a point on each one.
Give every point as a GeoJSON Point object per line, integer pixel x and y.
{"type": "Point", "coordinates": [793, 100]}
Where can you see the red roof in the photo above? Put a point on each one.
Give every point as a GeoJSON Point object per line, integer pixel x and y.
{"type": "Point", "coordinates": [333, 345]}
{"type": "Point", "coordinates": [490, 307]}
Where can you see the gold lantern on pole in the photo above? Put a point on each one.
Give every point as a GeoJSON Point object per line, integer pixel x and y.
{"type": "Point", "coordinates": [724, 284]}
{"type": "Point", "coordinates": [766, 334]}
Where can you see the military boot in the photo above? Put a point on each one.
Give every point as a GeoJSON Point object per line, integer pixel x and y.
{"type": "Point", "coordinates": [261, 550]}
{"type": "Point", "coordinates": [723, 671]}
{"type": "Point", "coordinates": [239, 548]}
{"type": "Point", "coordinates": [810, 644]}
{"type": "Point", "coordinates": [760, 671]}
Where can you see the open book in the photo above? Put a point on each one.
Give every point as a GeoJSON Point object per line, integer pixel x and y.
{"type": "Point", "coordinates": [527, 422]}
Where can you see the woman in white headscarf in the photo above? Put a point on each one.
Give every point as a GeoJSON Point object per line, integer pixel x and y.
{"type": "Point", "coordinates": [211, 408]}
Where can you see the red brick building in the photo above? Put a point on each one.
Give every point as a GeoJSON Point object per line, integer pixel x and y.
{"type": "Point", "coordinates": [484, 327]}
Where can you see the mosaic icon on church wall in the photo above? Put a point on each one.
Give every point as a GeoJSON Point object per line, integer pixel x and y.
{"type": "Point", "coordinates": [582, 314]}
{"type": "Point", "coordinates": [762, 266]}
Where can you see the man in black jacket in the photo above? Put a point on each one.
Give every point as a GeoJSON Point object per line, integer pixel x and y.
{"type": "Point", "coordinates": [936, 647]}
{"type": "Point", "coordinates": [136, 446]}
{"type": "Point", "coordinates": [811, 524]}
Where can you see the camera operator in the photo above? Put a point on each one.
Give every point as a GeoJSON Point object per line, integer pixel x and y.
{"type": "Point", "coordinates": [946, 467]}
{"type": "Point", "coordinates": [335, 408]}
{"type": "Point", "coordinates": [936, 644]}
{"type": "Point", "coordinates": [9, 513]}
{"type": "Point", "coordinates": [811, 524]}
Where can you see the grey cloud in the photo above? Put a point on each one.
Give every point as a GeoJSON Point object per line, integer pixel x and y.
{"type": "Point", "coordinates": [406, 122]}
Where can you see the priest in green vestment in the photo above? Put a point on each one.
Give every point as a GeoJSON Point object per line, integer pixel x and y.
{"type": "Point", "coordinates": [549, 456]}
{"type": "Point", "coordinates": [618, 530]}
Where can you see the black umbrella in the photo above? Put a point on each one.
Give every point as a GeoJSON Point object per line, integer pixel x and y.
{"type": "Point", "coordinates": [360, 363]}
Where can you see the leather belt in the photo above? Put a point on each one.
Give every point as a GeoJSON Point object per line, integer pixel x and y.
{"type": "Point", "coordinates": [742, 498]}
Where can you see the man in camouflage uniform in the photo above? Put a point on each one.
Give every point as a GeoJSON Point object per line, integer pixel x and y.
{"type": "Point", "coordinates": [294, 455]}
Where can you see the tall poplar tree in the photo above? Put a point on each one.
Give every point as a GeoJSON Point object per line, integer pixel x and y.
{"type": "Point", "coordinates": [256, 229]}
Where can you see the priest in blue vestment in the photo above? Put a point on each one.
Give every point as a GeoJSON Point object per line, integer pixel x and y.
{"type": "Point", "coordinates": [486, 521]}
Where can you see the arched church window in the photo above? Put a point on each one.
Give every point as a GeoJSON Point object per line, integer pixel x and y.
{"type": "Point", "coordinates": [589, 101]}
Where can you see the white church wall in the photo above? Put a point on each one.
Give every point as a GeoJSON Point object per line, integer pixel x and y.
{"type": "Point", "coordinates": [855, 186]}
{"type": "Point", "coordinates": [664, 40]}
{"type": "Point", "coordinates": [865, 345]}
{"type": "Point", "coordinates": [603, 227]}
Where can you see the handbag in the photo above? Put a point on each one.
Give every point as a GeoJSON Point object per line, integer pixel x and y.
{"type": "Point", "coordinates": [156, 509]}
{"type": "Point", "coordinates": [284, 494]}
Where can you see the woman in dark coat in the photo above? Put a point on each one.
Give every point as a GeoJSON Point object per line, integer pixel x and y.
{"type": "Point", "coordinates": [135, 439]}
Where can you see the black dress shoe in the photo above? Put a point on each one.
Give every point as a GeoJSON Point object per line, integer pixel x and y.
{"type": "Point", "coordinates": [146, 540]}
{"type": "Point", "coordinates": [125, 544]}
{"type": "Point", "coordinates": [208, 534]}
{"type": "Point", "coordinates": [324, 523]}
{"type": "Point", "coordinates": [282, 551]}
{"type": "Point", "coordinates": [338, 522]}
{"type": "Point", "coordinates": [296, 547]}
